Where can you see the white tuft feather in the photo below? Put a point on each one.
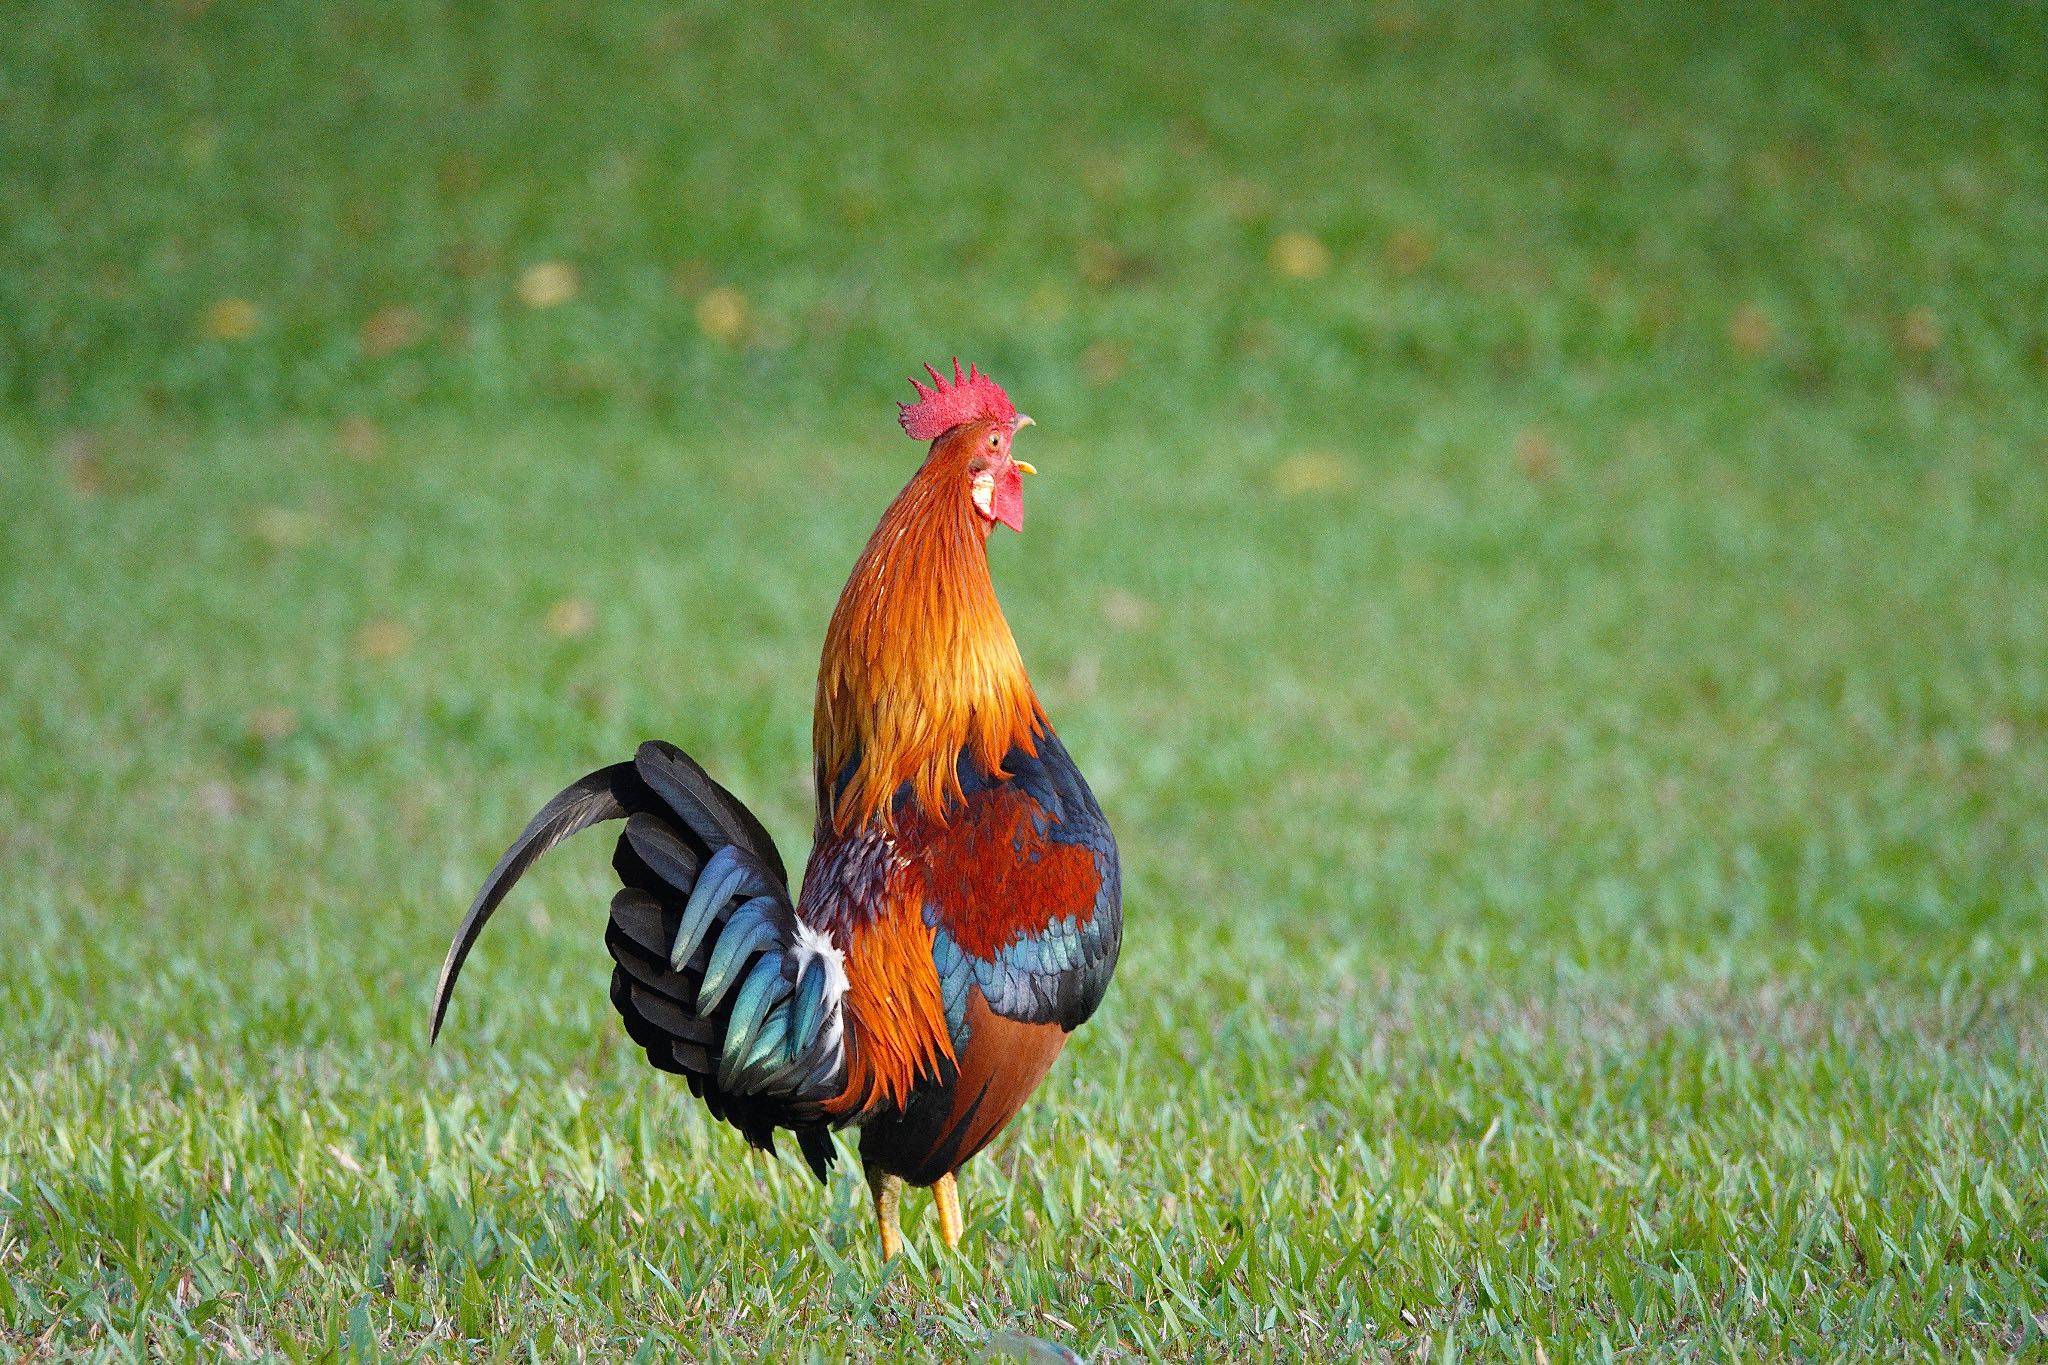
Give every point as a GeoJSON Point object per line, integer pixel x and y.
{"type": "Point", "coordinates": [812, 943]}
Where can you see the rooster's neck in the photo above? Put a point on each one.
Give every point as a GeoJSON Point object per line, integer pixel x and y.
{"type": "Point", "coordinates": [919, 663]}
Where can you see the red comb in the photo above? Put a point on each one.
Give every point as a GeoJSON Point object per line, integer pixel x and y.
{"type": "Point", "coordinates": [970, 397]}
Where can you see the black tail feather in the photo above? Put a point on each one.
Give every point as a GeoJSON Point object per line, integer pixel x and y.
{"type": "Point", "coordinates": [714, 814]}
{"type": "Point", "coordinates": [681, 825]}
{"type": "Point", "coordinates": [607, 794]}
{"type": "Point", "coordinates": [815, 1142]}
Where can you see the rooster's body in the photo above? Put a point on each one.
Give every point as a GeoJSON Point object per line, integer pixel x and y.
{"type": "Point", "coordinates": [960, 912]}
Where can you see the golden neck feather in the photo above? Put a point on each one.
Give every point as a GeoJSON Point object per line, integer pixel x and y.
{"type": "Point", "coordinates": [919, 662]}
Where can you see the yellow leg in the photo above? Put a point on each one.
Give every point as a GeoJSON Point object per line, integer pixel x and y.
{"type": "Point", "coordinates": [948, 1196]}
{"type": "Point", "coordinates": [888, 1191]}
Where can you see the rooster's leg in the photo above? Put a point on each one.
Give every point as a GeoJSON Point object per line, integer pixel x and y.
{"type": "Point", "coordinates": [947, 1194]}
{"type": "Point", "coordinates": [888, 1192]}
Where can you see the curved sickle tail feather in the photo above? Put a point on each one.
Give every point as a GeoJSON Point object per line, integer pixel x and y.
{"type": "Point", "coordinates": [603, 795]}
{"type": "Point", "coordinates": [716, 977]}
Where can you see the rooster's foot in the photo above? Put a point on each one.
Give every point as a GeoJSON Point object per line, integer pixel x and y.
{"type": "Point", "coordinates": [947, 1194]}
{"type": "Point", "coordinates": [888, 1192]}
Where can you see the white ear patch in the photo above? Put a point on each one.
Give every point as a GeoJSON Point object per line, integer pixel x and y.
{"type": "Point", "coordinates": [985, 494]}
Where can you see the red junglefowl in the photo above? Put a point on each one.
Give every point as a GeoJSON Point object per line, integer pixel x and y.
{"type": "Point", "coordinates": [961, 912]}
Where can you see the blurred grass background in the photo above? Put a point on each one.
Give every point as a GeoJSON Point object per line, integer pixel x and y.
{"type": "Point", "coordinates": [286, 211]}
{"type": "Point", "coordinates": [1543, 553]}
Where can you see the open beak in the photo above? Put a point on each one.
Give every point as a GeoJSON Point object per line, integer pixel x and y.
{"type": "Point", "coordinates": [1022, 421]}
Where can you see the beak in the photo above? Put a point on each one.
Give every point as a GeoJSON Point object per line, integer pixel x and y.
{"type": "Point", "coordinates": [1024, 465]}
{"type": "Point", "coordinates": [1020, 422]}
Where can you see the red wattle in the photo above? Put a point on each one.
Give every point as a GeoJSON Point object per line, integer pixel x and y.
{"type": "Point", "coordinates": [1008, 503]}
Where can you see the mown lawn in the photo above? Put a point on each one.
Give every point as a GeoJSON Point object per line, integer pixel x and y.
{"type": "Point", "coordinates": [1543, 553]}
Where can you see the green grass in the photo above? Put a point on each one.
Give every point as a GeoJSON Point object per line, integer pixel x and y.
{"type": "Point", "coordinates": [1571, 682]}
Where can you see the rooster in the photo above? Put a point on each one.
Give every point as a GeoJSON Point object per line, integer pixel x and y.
{"type": "Point", "coordinates": [961, 911]}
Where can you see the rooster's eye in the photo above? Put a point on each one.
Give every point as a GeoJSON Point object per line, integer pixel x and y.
{"type": "Point", "coordinates": [995, 438]}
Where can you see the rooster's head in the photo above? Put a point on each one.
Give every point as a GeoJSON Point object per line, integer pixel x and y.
{"type": "Point", "coordinates": [970, 422]}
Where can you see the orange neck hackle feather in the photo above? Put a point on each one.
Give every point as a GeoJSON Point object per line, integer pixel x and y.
{"type": "Point", "coordinates": [918, 661]}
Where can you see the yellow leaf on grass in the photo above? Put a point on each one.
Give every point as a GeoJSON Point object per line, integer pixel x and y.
{"type": "Point", "coordinates": [1750, 330]}
{"type": "Point", "coordinates": [1408, 250]}
{"type": "Point", "coordinates": [1312, 471]}
{"type": "Point", "coordinates": [570, 618]}
{"type": "Point", "coordinates": [359, 438]}
{"type": "Point", "coordinates": [382, 640]}
{"type": "Point", "coordinates": [391, 329]}
{"type": "Point", "coordinates": [1535, 456]}
{"type": "Point", "coordinates": [548, 284]}
{"type": "Point", "coordinates": [1920, 331]}
{"type": "Point", "coordinates": [1299, 256]}
{"type": "Point", "coordinates": [231, 320]}
{"type": "Point", "coordinates": [722, 315]}
{"type": "Point", "coordinates": [78, 454]}
{"type": "Point", "coordinates": [272, 724]}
